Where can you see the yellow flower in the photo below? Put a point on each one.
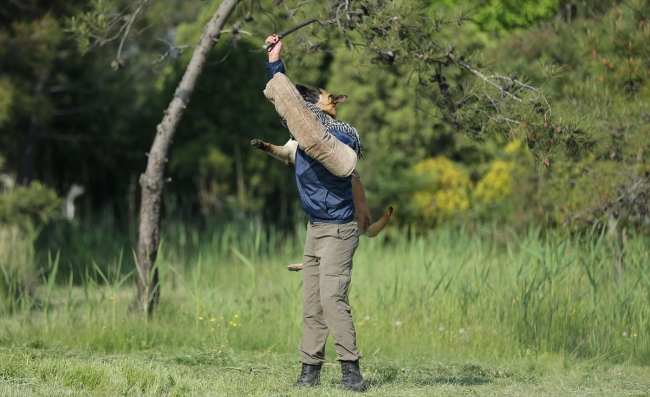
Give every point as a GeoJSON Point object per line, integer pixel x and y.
{"type": "Point", "coordinates": [236, 315]}
{"type": "Point", "coordinates": [512, 147]}
{"type": "Point", "coordinates": [213, 319]}
{"type": "Point", "coordinates": [496, 184]}
{"type": "Point", "coordinates": [200, 318]}
{"type": "Point", "coordinates": [444, 191]}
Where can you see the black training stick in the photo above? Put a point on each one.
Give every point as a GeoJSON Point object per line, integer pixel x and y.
{"type": "Point", "coordinates": [269, 46]}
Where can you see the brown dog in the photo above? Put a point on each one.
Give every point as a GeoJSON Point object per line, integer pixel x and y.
{"type": "Point", "coordinates": [287, 153]}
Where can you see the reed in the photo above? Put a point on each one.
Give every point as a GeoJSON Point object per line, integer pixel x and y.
{"type": "Point", "coordinates": [449, 293]}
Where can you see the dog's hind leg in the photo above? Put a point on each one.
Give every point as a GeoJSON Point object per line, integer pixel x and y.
{"type": "Point", "coordinates": [295, 267]}
{"type": "Point", "coordinates": [286, 153]}
{"type": "Point", "coordinates": [362, 212]}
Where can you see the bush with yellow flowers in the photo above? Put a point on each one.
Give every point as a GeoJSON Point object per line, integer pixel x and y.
{"type": "Point", "coordinates": [495, 185]}
{"type": "Point", "coordinates": [443, 189]}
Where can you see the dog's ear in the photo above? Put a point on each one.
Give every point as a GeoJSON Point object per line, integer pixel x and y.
{"type": "Point", "coordinates": [338, 98]}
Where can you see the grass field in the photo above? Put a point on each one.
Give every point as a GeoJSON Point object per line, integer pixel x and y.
{"type": "Point", "coordinates": [37, 372]}
{"type": "Point", "coordinates": [449, 313]}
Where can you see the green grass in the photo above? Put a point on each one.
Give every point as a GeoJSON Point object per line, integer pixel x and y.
{"type": "Point", "coordinates": [448, 313]}
{"type": "Point", "coordinates": [37, 372]}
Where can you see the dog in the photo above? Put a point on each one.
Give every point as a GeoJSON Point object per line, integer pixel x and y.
{"type": "Point", "coordinates": [327, 103]}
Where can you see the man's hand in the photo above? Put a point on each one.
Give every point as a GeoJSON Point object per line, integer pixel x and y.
{"type": "Point", "coordinates": [274, 52]}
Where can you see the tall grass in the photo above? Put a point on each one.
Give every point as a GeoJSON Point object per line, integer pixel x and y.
{"type": "Point", "coordinates": [445, 294]}
{"type": "Point", "coordinates": [18, 272]}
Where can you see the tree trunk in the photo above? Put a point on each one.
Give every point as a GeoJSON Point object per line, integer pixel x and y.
{"type": "Point", "coordinates": [152, 180]}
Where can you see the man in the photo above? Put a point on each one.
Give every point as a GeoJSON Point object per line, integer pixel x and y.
{"type": "Point", "coordinates": [332, 238]}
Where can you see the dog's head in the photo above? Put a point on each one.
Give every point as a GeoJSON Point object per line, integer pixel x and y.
{"type": "Point", "coordinates": [322, 99]}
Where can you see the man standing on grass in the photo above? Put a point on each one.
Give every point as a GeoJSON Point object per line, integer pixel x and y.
{"type": "Point", "coordinates": [332, 238]}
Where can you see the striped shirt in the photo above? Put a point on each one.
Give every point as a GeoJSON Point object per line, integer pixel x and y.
{"type": "Point", "coordinates": [331, 124]}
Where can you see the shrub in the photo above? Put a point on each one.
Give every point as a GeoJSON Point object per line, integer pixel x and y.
{"type": "Point", "coordinates": [443, 190]}
{"type": "Point", "coordinates": [22, 211]}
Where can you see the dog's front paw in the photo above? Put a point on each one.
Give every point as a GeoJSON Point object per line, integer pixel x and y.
{"type": "Point", "coordinates": [258, 144]}
{"type": "Point", "coordinates": [295, 267]}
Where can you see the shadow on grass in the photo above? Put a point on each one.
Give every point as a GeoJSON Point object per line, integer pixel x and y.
{"type": "Point", "coordinates": [209, 359]}
{"type": "Point", "coordinates": [470, 375]}
{"type": "Point", "coordinates": [452, 380]}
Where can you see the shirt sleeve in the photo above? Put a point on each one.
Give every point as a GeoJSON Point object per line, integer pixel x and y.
{"type": "Point", "coordinates": [274, 67]}
{"type": "Point", "coordinates": [271, 69]}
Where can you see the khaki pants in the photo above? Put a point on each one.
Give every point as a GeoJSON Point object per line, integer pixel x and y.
{"type": "Point", "coordinates": [326, 269]}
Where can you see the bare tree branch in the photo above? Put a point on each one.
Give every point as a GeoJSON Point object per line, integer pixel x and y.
{"type": "Point", "coordinates": [119, 62]}
{"type": "Point", "coordinates": [171, 50]}
{"type": "Point", "coordinates": [470, 68]}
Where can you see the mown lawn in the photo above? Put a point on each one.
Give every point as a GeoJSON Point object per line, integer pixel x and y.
{"type": "Point", "coordinates": [35, 372]}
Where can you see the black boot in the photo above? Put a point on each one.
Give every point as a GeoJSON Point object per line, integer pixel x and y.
{"type": "Point", "coordinates": [309, 376]}
{"type": "Point", "coordinates": [352, 379]}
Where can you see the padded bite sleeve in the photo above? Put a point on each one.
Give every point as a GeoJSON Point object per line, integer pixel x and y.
{"type": "Point", "coordinates": [311, 134]}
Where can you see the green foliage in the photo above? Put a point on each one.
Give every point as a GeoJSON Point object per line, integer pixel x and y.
{"type": "Point", "coordinates": [34, 44]}
{"type": "Point", "coordinates": [21, 209]}
{"type": "Point", "coordinates": [27, 55]}
{"type": "Point", "coordinates": [6, 99]}
{"type": "Point", "coordinates": [582, 112]}
{"type": "Point", "coordinates": [22, 205]}
{"type": "Point", "coordinates": [504, 15]}
{"type": "Point", "coordinates": [605, 79]}
{"type": "Point", "coordinates": [458, 89]}
{"type": "Point", "coordinates": [212, 154]}
{"type": "Point", "coordinates": [87, 25]}
{"type": "Point", "coordinates": [413, 103]}
{"type": "Point", "coordinates": [18, 270]}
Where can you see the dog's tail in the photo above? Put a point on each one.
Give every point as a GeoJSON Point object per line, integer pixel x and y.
{"type": "Point", "coordinates": [378, 226]}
